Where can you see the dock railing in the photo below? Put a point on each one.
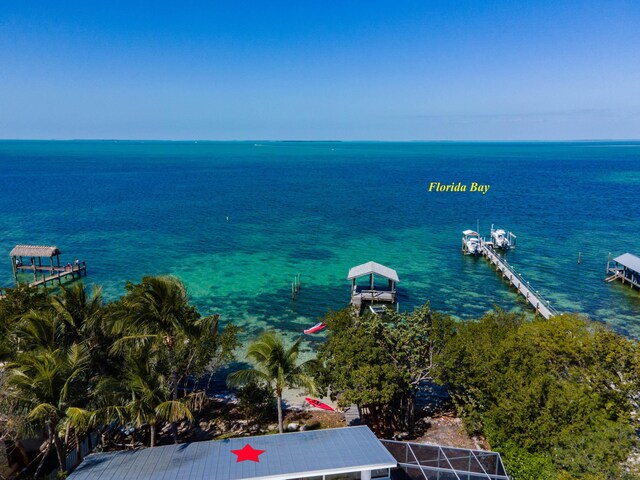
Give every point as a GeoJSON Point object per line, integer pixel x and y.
{"type": "Point", "coordinates": [373, 295]}
{"type": "Point", "coordinates": [541, 304]}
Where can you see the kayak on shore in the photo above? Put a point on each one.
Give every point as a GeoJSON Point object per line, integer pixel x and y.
{"type": "Point", "coordinates": [318, 404]}
{"type": "Point", "coordinates": [316, 328]}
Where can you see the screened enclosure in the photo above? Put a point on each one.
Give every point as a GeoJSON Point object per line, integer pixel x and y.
{"type": "Point", "coordinates": [432, 462]}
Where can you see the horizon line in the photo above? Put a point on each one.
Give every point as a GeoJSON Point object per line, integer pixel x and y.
{"type": "Point", "coordinates": [568, 140]}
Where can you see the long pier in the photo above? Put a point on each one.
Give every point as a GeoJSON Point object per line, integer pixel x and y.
{"type": "Point", "coordinates": [536, 300]}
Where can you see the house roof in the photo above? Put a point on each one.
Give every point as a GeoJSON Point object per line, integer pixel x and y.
{"type": "Point", "coordinates": [34, 251]}
{"type": "Point", "coordinates": [375, 268]}
{"type": "Point", "coordinates": [630, 261]}
{"type": "Point", "coordinates": [286, 456]}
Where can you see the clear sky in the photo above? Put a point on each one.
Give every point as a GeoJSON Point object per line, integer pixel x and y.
{"type": "Point", "coordinates": [322, 69]}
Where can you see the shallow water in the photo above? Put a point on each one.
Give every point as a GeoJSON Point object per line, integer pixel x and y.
{"type": "Point", "coordinates": [143, 208]}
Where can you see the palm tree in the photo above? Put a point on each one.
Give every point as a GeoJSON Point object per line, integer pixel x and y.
{"type": "Point", "coordinates": [37, 329]}
{"type": "Point", "coordinates": [71, 317]}
{"type": "Point", "coordinates": [157, 311]}
{"type": "Point", "coordinates": [140, 397]}
{"type": "Point", "coordinates": [77, 312]}
{"type": "Point", "coordinates": [79, 421]}
{"type": "Point", "coordinates": [46, 383]}
{"type": "Point", "coordinates": [276, 366]}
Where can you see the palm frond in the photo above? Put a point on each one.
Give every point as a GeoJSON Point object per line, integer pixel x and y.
{"type": "Point", "coordinates": [79, 419]}
{"type": "Point", "coordinates": [120, 345]}
{"type": "Point", "coordinates": [173, 411]}
{"type": "Point", "coordinates": [42, 412]}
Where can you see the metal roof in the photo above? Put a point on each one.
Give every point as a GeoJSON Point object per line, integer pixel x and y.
{"type": "Point", "coordinates": [373, 267]}
{"type": "Point", "coordinates": [630, 261]}
{"type": "Point", "coordinates": [286, 456]}
{"type": "Point", "coordinates": [34, 251]}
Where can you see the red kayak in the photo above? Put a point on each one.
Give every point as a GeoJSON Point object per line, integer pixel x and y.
{"type": "Point", "coordinates": [316, 328]}
{"type": "Point", "coordinates": [318, 404]}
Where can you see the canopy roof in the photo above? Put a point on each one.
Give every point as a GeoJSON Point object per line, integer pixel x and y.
{"type": "Point", "coordinates": [285, 456]}
{"type": "Point", "coordinates": [375, 268]}
{"type": "Point", "coordinates": [34, 251]}
{"type": "Point", "coordinates": [630, 261]}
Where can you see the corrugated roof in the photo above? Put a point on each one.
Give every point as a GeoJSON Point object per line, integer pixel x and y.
{"type": "Point", "coordinates": [373, 267]}
{"type": "Point", "coordinates": [34, 251]}
{"type": "Point", "coordinates": [288, 455]}
{"type": "Point", "coordinates": [629, 261]}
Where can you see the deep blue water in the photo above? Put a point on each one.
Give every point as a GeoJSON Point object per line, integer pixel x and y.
{"type": "Point", "coordinates": [140, 208]}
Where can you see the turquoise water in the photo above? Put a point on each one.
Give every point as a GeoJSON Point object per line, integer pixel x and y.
{"type": "Point", "coordinates": [143, 208]}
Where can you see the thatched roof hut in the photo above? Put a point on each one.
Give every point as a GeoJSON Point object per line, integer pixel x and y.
{"type": "Point", "coordinates": [34, 251]}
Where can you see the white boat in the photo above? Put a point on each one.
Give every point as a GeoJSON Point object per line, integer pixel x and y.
{"type": "Point", "coordinates": [502, 239]}
{"type": "Point", "coordinates": [471, 244]}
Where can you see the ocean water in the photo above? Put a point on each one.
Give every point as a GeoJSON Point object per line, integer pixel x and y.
{"type": "Point", "coordinates": [236, 221]}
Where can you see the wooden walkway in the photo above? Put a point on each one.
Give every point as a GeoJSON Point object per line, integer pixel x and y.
{"type": "Point", "coordinates": [352, 416]}
{"type": "Point", "coordinates": [363, 296]}
{"type": "Point", "coordinates": [60, 273]}
{"type": "Point", "coordinates": [536, 300]}
{"type": "Point", "coordinates": [41, 268]}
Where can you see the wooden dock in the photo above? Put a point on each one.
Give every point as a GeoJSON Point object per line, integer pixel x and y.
{"type": "Point", "coordinates": [58, 275]}
{"type": "Point", "coordinates": [536, 300]}
{"type": "Point", "coordinates": [42, 274]}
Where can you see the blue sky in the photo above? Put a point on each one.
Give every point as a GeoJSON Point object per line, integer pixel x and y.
{"type": "Point", "coordinates": [367, 70]}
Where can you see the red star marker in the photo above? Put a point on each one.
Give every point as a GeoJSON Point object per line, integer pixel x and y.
{"type": "Point", "coordinates": [248, 453]}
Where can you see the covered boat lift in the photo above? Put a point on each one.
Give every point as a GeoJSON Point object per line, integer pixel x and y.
{"type": "Point", "coordinates": [626, 269]}
{"type": "Point", "coordinates": [371, 292]}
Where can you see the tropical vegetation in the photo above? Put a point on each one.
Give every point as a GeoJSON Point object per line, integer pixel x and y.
{"type": "Point", "coordinates": [75, 364]}
{"type": "Point", "coordinates": [380, 362]}
{"type": "Point", "coordinates": [276, 367]}
{"type": "Point", "coordinates": [556, 397]}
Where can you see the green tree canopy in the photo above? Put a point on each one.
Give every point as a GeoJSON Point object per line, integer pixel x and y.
{"type": "Point", "coordinates": [380, 362]}
{"type": "Point", "coordinates": [556, 392]}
